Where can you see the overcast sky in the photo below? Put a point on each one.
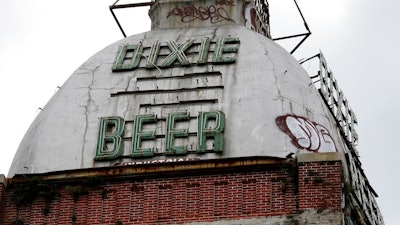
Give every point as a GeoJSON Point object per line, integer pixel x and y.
{"type": "Point", "coordinates": [42, 42]}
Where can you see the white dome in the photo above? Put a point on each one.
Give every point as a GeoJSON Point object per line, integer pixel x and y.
{"type": "Point", "coordinates": [262, 83]}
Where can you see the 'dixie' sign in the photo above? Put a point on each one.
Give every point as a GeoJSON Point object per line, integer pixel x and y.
{"type": "Point", "coordinates": [110, 139]}
{"type": "Point", "coordinates": [174, 133]}
{"type": "Point", "coordinates": [189, 52]}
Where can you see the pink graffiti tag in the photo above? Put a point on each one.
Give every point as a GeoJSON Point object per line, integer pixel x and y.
{"type": "Point", "coordinates": [190, 13]}
{"type": "Point", "coordinates": [306, 134]}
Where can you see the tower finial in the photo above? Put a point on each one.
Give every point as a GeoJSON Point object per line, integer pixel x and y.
{"type": "Point", "coordinates": [253, 14]}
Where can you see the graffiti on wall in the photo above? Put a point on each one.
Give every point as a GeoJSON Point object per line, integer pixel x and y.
{"type": "Point", "coordinates": [225, 2]}
{"type": "Point", "coordinates": [306, 134]}
{"type": "Point", "coordinates": [256, 19]}
{"type": "Point", "coordinates": [189, 13]}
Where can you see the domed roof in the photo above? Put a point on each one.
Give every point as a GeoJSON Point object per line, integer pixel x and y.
{"type": "Point", "coordinates": [179, 94]}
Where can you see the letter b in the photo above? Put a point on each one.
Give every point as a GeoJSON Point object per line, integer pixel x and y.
{"type": "Point", "coordinates": [110, 131]}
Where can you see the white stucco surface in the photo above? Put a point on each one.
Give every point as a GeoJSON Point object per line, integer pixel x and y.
{"type": "Point", "coordinates": [264, 82]}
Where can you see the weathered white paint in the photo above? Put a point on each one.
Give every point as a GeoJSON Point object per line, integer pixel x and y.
{"type": "Point", "coordinates": [264, 82]}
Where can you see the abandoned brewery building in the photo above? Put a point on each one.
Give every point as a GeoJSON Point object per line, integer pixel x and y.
{"type": "Point", "coordinates": [202, 120]}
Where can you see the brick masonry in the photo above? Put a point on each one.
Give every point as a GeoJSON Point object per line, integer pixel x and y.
{"type": "Point", "coordinates": [303, 193]}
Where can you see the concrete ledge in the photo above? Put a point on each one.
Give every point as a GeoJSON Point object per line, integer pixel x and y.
{"type": "Point", "coordinates": [3, 179]}
{"type": "Point", "coordinates": [311, 216]}
{"type": "Point", "coordinates": [319, 157]}
{"type": "Point", "coordinates": [225, 165]}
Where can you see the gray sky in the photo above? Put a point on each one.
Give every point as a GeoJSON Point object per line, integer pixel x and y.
{"type": "Point", "coordinates": [42, 42]}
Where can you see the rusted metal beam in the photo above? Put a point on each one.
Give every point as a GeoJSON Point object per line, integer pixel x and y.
{"type": "Point", "coordinates": [123, 6]}
{"type": "Point", "coordinates": [131, 5]}
{"type": "Point", "coordinates": [116, 20]}
{"type": "Point", "coordinates": [306, 35]}
{"type": "Point", "coordinates": [301, 42]}
{"type": "Point", "coordinates": [305, 60]}
{"type": "Point", "coordinates": [291, 36]}
{"type": "Point", "coordinates": [301, 14]}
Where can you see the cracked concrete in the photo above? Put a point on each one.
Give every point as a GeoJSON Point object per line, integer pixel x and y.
{"type": "Point", "coordinates": [87, 106]}
{"type": "Point", "coordinates": [280, 97]}
{"type": "Point", "coordinates": [250, 89]}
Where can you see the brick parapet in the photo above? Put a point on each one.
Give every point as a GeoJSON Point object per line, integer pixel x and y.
{"type": "Point", "coordinates": [2, 187]}
{"type": "Point", "coordinates": [261, 191]}
{"type": "Point", "coordinates": [320, 182]}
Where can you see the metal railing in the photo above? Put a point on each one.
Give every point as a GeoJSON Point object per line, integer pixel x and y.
{"type": "Point", "coordinates": [361, 195]}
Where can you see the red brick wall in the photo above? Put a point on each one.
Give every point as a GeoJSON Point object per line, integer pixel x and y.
{"type": "Point", "coordinates": [1, 199]}
{"type": "Point", "coordinates": [183, 199]}
{"type": "Point", "coordinates": [320, 185]}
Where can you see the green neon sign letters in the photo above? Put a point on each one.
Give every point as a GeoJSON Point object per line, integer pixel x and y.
{"type": "Point", "coordinates": [216, 133]}
{"type": "Point", "coordinates": [173, 132]}
{"type": "Point", "coordinates": [139, 135]}
{"type": "Point", "coordinates": [223, 51]}
{"type": "Point", "coordinates": [111, 130]}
